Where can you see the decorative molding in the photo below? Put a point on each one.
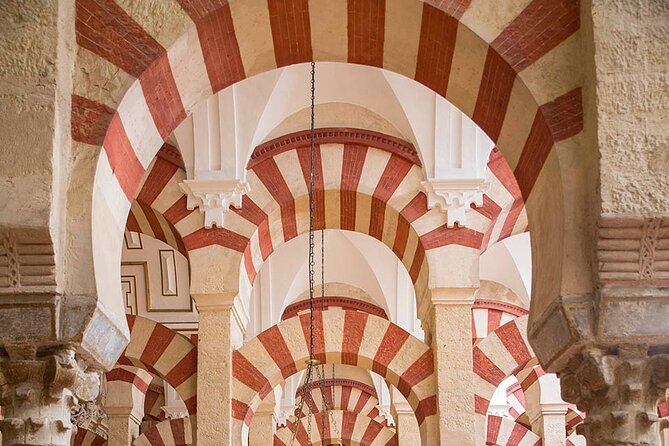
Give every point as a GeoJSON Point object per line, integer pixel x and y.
{"type": "Point", "coordinates": [633, 249]}
{"type": "Point", "coordinates": [90, 416]}
{"type": "Point", "coordinates": [133, 239]}
{"type": "Point", "coordinates": [334, 135]}
{"type": "Point", "coordinates": [171, 154]}
{"type": "Point", "coordinates": [214, 198]}
{"type": "Point", "coordinates": [454, 197]}
{"type": "Point", "coordinates": [340, 382]}
{"type": "Point", "coordinates": [501, 306]}
{"type": "Point", "coordinates": [168, 273]}
{"type": "Point", "coordinates": [27, 261]}
{"type": "Point", "coordinates": [346, 303]}
{"type": "Point", "coordinates": [129, 288]}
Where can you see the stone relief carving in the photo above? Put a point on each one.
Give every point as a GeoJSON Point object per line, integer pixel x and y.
{"type": "Point", "coordinates": [619, 393]}
{"type": "Point", "coordinates": [39, 392]}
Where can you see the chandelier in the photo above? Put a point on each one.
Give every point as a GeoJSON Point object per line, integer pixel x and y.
{"type": "Point", "coordinates": [315, 369]}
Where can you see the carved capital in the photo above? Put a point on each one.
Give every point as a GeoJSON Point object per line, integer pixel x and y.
{"type": "Point", "coordinates": [619, 393]}
{"type": "Point", "coordinates": [214, 198]}
{"type": "Point", "coordinates": [38, 393]}
{"type": "Point", "coordinates": [455, 197]}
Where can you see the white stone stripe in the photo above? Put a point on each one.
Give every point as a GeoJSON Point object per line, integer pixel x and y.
{"type": "Point", "coordinates": [189, 70]}
{"type": "Point", "coordinates": [139, 125]}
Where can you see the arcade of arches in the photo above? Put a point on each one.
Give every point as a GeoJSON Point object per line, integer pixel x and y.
{"type": "Point", "coordinates": [491, 197]}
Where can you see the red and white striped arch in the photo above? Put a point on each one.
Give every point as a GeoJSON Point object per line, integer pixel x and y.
{"type": "Point", "coordinates": [517, 81]}
{"type": "Point", "coordinates": [501, 354]}
{"type": "Point", "coordinates": [342, 394]}
{"type": "Point", "coordinates": [351, 427]}
{"type": "Point", "coordinates": [505, 432]}
{"type": "Point", "coordinates": [176, 432]}
{"type": "Point", "coordinates": [515, 398]}
{"type": "Point", "coordinates": [145, 220]}
{"type": "Point", "coordinates": [344, 337]}
{"type": "Point", "coordinates": [85, 437]}
{"type": "Point", "coordinates": [165, 353]}
{"type": "Point", "coordinates": [154, 402]}
{"type": "Point", "coordinates": [489, 315]}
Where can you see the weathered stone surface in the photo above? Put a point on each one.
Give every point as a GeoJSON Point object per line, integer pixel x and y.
{"type": "Point", "coordinates": [619, 393]}
{"type": "Point", "coordinates": [38, 392]}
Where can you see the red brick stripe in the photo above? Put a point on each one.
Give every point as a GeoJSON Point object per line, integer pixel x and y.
{"type": "Point", "coordinates": [444, 236]}
{"type": "Point", "coordinates": [178, 431]}
{"type": "Point", "coordinates": [304, 157]}
{"type": "Point", "coordinates": [162, 96]}
{"type": "Point", "coordinates": [124, 163]}
{"type": "Point", "coordinates": [481, 405]}
{"type": "Point", "coordinates": [319, 337]}
{"type": "Point", "coordinates": [554, 121]}
{"type": "Point", "coordinates": [417, 264]}
{"type": "Point", "coordinates": [352, 164]}
{"type": "Point", "coordinates": [453, 8]}
{"type": "Point", "coordinates": [494, 425]}
{"type": "Point", "coordinates": [215, 236]}
{"type": "Point", "coordinates": [494, 93]}
{"type": "Point", "coordinates": [291, 31]}
{"type": "Point", "coordinates": [269, 174]}
{"type": "Point", "coordinates": [422, 368]}
{"type": "Point", "coordinates": [512, 339]}
{"type": "Point", "coordinates": [161, 337]}
{"type": "Point", "coordinates": [354, 328]}
{"type": "Point", "coordinates": [151, 217]}
{"type": "Point", "coordinates": [90, 120]}
{"type": "Point", "coordinates": [244, 371]}
{"type": "Point", "coordinates": [220, 49]}
{"type": "Point", "coordinates": [487, 369]}
{"type": "Point", "coordinates": [160, 175]}
{"type": "Point", "coordinates": [426, 408]}
{"type": "Point", "coordinates": [392, 342]}
{"type": "Point", "coordinates": [119, 374]}
{"type": "Point", "coordinates": [107, 30]}
{"type": "Point", "coordinates": [178, 211]}
{"type": "Point", "coordinates": [517, 434]}
{"type": "Point", "coordinates": [395, 171]}
{"type": "Point", "coordinates": [366, 31]}
{"type": "Point", "coordinates": [184, 369]}
{"type": "Point", "coordinates": [435, 49]}
{"type": "Point", "coordinates": [371, 432]}
{"type": "Point", "coordinates": [276, 347]}
{"type": "Point", "coordinates": [539, 28]}
{"type": "Point", "coordinates": [198, 9]}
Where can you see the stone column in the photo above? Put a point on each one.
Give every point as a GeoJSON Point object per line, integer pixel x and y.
{"type": "Point", "coordinates": [263, 425]}
{"type": "Point", "coordinates": [448, 328]}
{"type": "Point", "coordinates": [408, 432]}
{"type": "Point", "coordinates": [38, 393]}
{"type": "Point", "coordinates": [126, 391]}
{"type": "Point", "coordinates": [619, 393]}
{"type": "Point", "coordinates": [221, 330]}
{"type": "Point", "coordinates": [547, 411]}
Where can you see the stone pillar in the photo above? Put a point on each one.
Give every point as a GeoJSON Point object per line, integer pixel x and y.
{"type": "Point", "coordinates": [38, 393]}
{"type": "Point", "coordinates": [448, 328]}
{"type": "Point", "coordinates": [619, 393]}
{"type": "Point", "coordinates": [408, 432]}
{"type": "Point", "coordinates": [263, 425]}
{"type": "Point", "coordinates": [221, 330]}
{"type": "Point", "coordinates": [547, 411]}
{"type": "Point", "coordinates": [126, 391]}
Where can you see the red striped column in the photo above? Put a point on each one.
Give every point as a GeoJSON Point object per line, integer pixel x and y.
{"type": "Point", "coordinates": [222, 321]}
{"type": "Point", "coordinates": [448, 326]}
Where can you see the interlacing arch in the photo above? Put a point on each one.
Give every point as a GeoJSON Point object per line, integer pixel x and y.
{"type": "Point", "coordinates": [499, 355]}
{"type": "Point", "coordinates": [342, 394]}
{"type": "Point", "coordinates": [176, 432]}
{"type": "Point", "coordinates": [166, 353]}
{"type": "Point", "coordinates": [351, 427]}
{"type": "Point", "coordinates": [84, 437]}
{"type": "Point", "coordinates": [494, 68]}
{"type": "Point", "coordinates": [503, 431]}
{"type": "Point", "coordinates": [341, 337]}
